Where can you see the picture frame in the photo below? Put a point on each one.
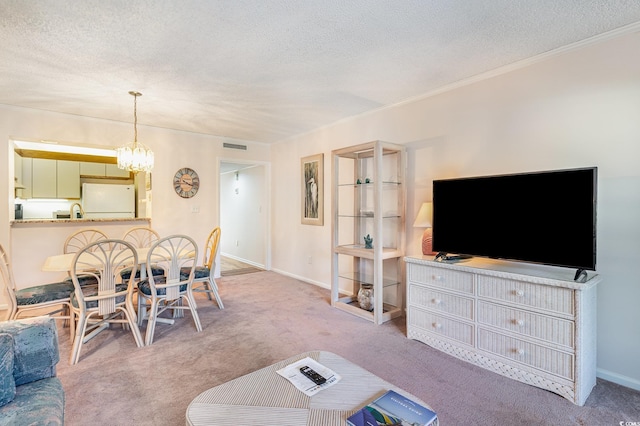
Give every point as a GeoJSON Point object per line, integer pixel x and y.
{"type": "Point", "coordinates": [312, 183]}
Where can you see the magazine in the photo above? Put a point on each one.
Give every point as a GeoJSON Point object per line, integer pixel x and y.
{"type": "Point", "coordinates": [393, 409]}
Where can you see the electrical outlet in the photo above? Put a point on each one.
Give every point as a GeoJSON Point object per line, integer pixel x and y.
{"type": "Point", "coordinates": [236, 243]}
{"type": "Point", "coordinates": [309, 260]}
{"type": "Point", "coordinates": [195, 209]}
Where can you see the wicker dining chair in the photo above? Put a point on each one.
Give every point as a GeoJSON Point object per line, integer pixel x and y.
{"type": "Point", "coordinates": [204, 282]}
{"type": "Point", "coordinates": [140, 237]}
{"type": "Point", "coordinates": [110, 300]}
{"type": "Point", "coordinates": [79, 239]}
{"type": "Point", "coordinates": [46, 299]}
{"type": "Point", "coordinates": [76, 242]}
{"type": "Point", "coordinates": [173, 291]}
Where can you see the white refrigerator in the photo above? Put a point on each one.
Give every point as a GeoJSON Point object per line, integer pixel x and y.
{"type": "Point", "coordinates": [104, 200]}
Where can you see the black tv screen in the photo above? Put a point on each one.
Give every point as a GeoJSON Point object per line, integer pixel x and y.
{"type": "Point", "coordinates": [542, 217]}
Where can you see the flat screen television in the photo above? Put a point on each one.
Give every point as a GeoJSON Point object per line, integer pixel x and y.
{"type": "Point", "coordinates": [544, 217]}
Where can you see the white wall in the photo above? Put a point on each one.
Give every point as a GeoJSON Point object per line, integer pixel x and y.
{"type": "Point", "coordinates": [173, 150]}
{"type": "Point", "coordinates": [244, 213]}
{"type": "Point", "coordinates": [579, 108]}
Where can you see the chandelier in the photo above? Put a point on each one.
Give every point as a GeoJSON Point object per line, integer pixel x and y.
{"type": "Point", "coordinates": [135, 157]}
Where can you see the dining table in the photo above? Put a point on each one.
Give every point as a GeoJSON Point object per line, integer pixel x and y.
{"type": "Point", "coordinates": [64, 263]}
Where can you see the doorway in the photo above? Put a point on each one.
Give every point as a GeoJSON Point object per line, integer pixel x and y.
{"type": "Point", "coordinates": [244, 199]}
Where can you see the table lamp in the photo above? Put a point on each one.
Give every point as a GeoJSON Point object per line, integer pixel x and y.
{"type": "Point", "coordinates": [423, 220]}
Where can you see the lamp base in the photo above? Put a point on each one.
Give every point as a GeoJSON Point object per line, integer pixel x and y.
{"type": "Point", "coordinates": [427, 240]}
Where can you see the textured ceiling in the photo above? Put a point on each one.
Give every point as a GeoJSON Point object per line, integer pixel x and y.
{"type": "Point", "coordinates": [263, 71]}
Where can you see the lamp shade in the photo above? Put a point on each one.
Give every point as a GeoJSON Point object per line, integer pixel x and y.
{"type": "Point", "coordinates": [423, 220]}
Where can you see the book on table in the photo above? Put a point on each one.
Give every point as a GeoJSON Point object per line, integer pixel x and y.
{"type": "Point", "coordinates": [392, 409]}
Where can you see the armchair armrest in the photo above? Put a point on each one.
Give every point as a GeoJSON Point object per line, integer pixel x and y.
{"type": "Point", "coordinates": [36, 348]}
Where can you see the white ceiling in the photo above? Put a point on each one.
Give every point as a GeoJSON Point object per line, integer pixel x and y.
{"type": "Point", "coordinates": [264, 71]}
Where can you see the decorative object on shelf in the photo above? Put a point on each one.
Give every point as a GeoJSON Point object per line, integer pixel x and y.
{"type": "Point", "coordinates": [135, 157]}
{"type": "Point", "coordinates": [423, 220]}
{"type": "Point", "coordinates": [368, 242]}
{"type": "Point", "coordinates": [359, 181]}
{"type": "Point", "coordinates": [365, 296]}
{"type": "Point", "coordinates": [367, 180]}
{"type": "Point", "coordinates": [313, 190]}
{"type": "Point", "coordinates": [186, 182]}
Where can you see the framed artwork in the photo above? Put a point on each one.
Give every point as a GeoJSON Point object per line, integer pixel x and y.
{"type": "Point", "coordinates": [313, 190]}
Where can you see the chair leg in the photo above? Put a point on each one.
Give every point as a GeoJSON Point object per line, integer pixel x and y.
{"type": "Point", "coordinates": [134, 327]}
{"type": "Point", "coordinates": [207, 288]}
{"type": "Point", "coordinates": [214, 288]}
{"type": "Point", "coordinates": [78, 339]}
{"type": "Point", "coordinates": [194, 310]}
{"type": "Point", "coordinates": [151, 322]}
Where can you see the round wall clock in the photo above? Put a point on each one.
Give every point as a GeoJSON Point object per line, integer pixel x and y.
{"type": "Point", "coordinates": [186, 182]}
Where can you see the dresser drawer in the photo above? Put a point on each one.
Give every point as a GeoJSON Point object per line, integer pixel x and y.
{"type": "Point", "coordinates": [440, 277]}
{"type": "Point", "coordinates": [538, 356]}
{"type": "Point", "coordinates": [548, 298]}
{"type": "Point", "coordinates": [457, 330]}
{"type": "Point", "coordinates": [547, 328]}
{"type": "Point", "coordinates": [435, 300]}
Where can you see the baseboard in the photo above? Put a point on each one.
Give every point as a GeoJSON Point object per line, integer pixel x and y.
{"type": "Point", "coordinates": [618, 379]}
{"type": "Point", "coordinates": [240, 259]}
{"type": "Point", "coordinates": [299, 278]}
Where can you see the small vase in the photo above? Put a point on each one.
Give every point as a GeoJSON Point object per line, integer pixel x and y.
{"type": "Point", "coordinates": [365, 297]}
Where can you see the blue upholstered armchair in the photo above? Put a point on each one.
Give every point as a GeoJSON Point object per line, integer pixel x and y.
{"type": "Point", "coordinates": [30, 392]}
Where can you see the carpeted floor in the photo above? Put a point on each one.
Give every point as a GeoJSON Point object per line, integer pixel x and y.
{"type": "Point", "coordinates": [269, 317]}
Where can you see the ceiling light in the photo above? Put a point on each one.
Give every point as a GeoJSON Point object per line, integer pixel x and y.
{"type": "Point", "coordinates": [135, 157]}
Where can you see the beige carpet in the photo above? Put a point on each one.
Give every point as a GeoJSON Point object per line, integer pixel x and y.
{"type": "Point", "coordinates": [270, 317]}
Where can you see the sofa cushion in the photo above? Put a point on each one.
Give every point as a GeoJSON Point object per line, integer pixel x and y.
{"type": "Point", "coordinates": [36, 348]}
{"type": "Point", "coordinates": [36, 403]}
{"type": "Point", "coordinates": [7, 382]}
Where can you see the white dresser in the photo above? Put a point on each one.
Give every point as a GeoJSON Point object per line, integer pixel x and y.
{"type": "Point", "coordinates": [531, 323]}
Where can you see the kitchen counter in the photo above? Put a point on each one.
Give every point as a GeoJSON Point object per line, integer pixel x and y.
{"type": "Point", "coordinates": [33, 240]}
{"type": "Point", "coordinates": [78, 221]}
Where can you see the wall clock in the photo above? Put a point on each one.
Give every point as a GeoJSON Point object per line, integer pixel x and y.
{"type": "Point", "coordinates": [186, 182]}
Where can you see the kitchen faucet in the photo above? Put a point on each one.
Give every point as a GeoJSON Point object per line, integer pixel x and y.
{"type": "Point", "coordinates": [71, 216]}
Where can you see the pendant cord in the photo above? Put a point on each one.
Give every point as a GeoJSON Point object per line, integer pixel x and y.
{"type": "Point", "coordinates": [135, 120]}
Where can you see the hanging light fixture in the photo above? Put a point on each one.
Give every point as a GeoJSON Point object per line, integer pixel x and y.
{"type": "Point", "coordinates": [135, 157]}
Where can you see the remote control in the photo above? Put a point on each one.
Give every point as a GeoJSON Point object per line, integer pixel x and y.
{"type": "Point", "coordinates": [312, 375]}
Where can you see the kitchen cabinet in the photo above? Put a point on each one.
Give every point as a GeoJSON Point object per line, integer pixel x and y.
{"type": "Point", "coordinates": [44, 179]}
{"type": "Point", "coordinates": [531, 323]}
{"type": "Point", "coordinates": [27, 177]}
{"type": "Point", "coordinates": [68, 179]}
{"type": "Point", "coordinates": [54, 179]}
{"type": "Point", "coordinates": [17, 169]}
{"type": "Point", "coordinates": [102, 170]}
{"type": "Point", "coordinates": [368, 230]}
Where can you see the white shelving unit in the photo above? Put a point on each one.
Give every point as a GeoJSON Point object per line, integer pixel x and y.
{"type": "Point", "coordinates": [368, 199]}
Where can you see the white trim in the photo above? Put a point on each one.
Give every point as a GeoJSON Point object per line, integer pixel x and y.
{"type": "Point", "coordinates": [619, 379]}
{"type": "Point", "coordinates": [240, 259]}
{"type": "Point", "coordinates": [303, 279]}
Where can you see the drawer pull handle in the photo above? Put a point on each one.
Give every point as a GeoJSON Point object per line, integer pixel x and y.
{"type": "Point", "coordinates": [437, 325]}
{"type": "Point", "coordinates": [437, 301]}
{"type": "Point", "coordinates": [437, 277]}
{"type": "Point", "coordinates": [519, 322]}
{"type": "Point", "coordinates": [519, 293]}
{"type": "Point", "coordinates": [520, 351]}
